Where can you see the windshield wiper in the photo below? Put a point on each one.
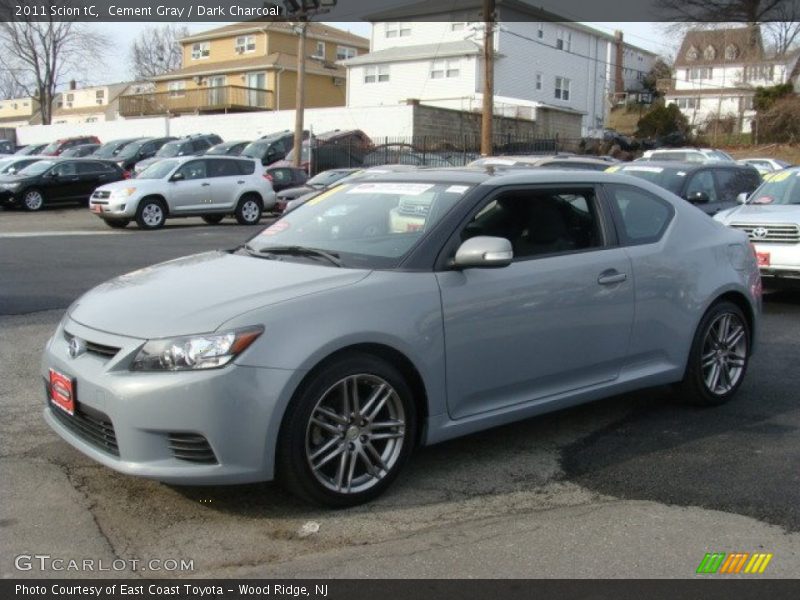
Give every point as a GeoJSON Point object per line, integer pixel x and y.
{"type": "Point", "coordinates": [331, 257]}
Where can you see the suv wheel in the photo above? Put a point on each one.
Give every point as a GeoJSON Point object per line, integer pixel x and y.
{"type": "Point", "coordinates": [248, 211]}
{"type": "Point", "coordinates": [151, 213]}
{"type": "Point", "coordinates": [33, 199]}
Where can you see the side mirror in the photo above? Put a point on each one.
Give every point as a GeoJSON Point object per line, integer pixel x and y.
{"type": "Point", "coordinates": [698, 198]}
{"type": "Point", "coordinates": [742, 198]}
{"type": "Point", "coordinates": [178, 177]}
{"type": "Point", "coordinates": [484, 251]}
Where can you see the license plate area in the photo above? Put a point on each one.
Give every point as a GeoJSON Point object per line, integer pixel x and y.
{"type": "Point", "coordinates": [96, 208]}
{"type": "Point", "coordinates": [62, 392]}
{"type": "Point", "coordinates": [763, 259]}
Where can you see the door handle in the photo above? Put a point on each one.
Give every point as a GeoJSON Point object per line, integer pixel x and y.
{"type": "Point", "coordinates": [240, 181]}
{"type": "Point", "coordinates": [205, 184]}
{"type": "Point", "coordinates": [611, 277]}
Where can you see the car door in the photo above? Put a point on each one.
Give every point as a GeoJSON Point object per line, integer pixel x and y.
{"type": "Point", "coordinates": [192, 190]}
{"type": "Point", "coordinates": [703, 182]}
{"type": "Point", "coordinates": [557, 319]}
{"type": "Point", "coordinates": [62, 182]}
{"type": "Point", "coordinates": [91, 175]}
{"type": "Point", "coordinates": [226, 181]}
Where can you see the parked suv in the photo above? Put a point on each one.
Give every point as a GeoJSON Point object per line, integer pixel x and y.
{"type": "Point", "coordinates": [209, 187]}
{"type": "Point", "coordinates": [332, 150]}
{"type": "Point", "coordinates": [51, 181]}
{"type": "Point", "coordinates": [712, 187]}
{"type": "Point", "coordinates": [688, 154]}
{"type": "Point", "coordinates": [57, 147]}
{"type": "Point", "coordinates": [6, 147]}
{"type": "Point", "coordinates": [139, 150]}
{"type": "Point", "coordinates": [271, 148]}
{"type": "Point", "coordinates": [771, 219]}
{"type": "Point", "coordinates": [193, 145]}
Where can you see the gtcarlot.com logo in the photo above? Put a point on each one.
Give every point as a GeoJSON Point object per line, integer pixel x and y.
{"type": "Point", "coordinates": [46, 562]}
{"type": "Point", "coordinates": [734, 563]}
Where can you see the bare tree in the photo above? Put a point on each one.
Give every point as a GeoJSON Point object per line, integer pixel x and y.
{"type": "Point", "coordinates": [40, 54]}
{"type": "Point", "coordinates": [784, 34]}
{"type": "Point", "coordinates": [157, 50]}
{"type": "Point", "coordinates": [719, 11]}
{"type": "Point", "coordinates": [9, 87]}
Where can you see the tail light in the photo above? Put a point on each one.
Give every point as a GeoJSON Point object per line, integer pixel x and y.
{"type": "Point", "coordinates": [268, 177]}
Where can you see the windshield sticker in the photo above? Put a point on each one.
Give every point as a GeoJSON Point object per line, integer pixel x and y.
{"type": "Point", "coordinates": [613, 169]}
{"type": "Point", "coordinates": [276, 228]}
{"type": "Point", "coordinates": [681, 173]}
{"type": "Point", "coordinates": [325, 194]}
{"type": "Point", "coordinates": [646, 169]}
{"type": "Point", "coordinates": [457, 189]}
{"type": "Point", "coordinates": [780, 176]}
{"type": "Point", "coordinates": [764, 200]}
{"type": "Point", "coordinates": [401, 189]}
{"type": "Point", "coordinates": [498, 161]}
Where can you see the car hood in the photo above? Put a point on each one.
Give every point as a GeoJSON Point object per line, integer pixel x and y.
{"type": "Point", "coordinates": [198, 293]}
{"type": "Point", "coordinates": [761, 213]}
{"type": "Point", "coordinates": [16, 178]}
{"type": "Point", "coordinates": [143, 184]}
{"type": "Point", "coordinates": [294, 192]}
{"type": "Point", "coordinates": [143, 164]}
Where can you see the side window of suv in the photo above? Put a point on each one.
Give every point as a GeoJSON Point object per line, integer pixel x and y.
{"type": "Point", "coordinates": [199, 145]}
{"type": "Point", "coordinates": [731, 182]}
{"type": "Point", "coordinates": [220, 167]}
{"type": "Point", "coordinates": [246, 167]}
{"type": "Point", "coordinates": [641, 217]}
{"type": "Point", "coordinates": [195, 169]}
{"type": "Point", "coordinates": [703, 181]}
{"type": "Point", "coordinates": [64, 169]}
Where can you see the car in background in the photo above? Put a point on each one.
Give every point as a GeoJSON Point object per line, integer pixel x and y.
{"type": "Point", "coordinates": [114, 147]}
{"type": "Point", "coordinates": [712, 186]}
{"type": "Point", "coordinates": [557, 161]}
{"type": "Point", "coordinates": [210, 187]}
{"type": "Point", "coordinates": [406, 154]}
{"type": "Point", "coordinates": [770, 217]}
{"type": "Point", "coordinates": [56, 181]}
{"type": "Point", "coordinates": [137, 151]}
{"type": "Point", "coordinates": [81, 150]}
{"type": "Point", "coordinates": [330, 345]}
{"type": "Point", "coordinates": [765, 165]}
{"type": "Point", "coordinates": [285, 177]}
{"type": "Point", "coordinates": [271, 148]}
{"type": "Point", "coordinates": [6, 147]}
{"type": "Point", "coordinates": [193, 145]}
{"type": "Point", "coordinates": [57, 147]}
{"type": "Point", "coordinates": [9, 165]}
{"type": "Point", "coordinates": [320, 181]}
{"type": "Point", "coordinates": [688, 155]}
{"type": "Point", "coordinates": [334, 149]}
{"type": "Point", "coordinates": [227, 149]}
{"type": "Point", "coordinates": [30, 149]}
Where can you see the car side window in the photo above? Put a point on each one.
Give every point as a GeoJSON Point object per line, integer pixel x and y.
{"type": "Point", "coordinates": [641, 217]}
{"type": "Point", "coordinates": [281, 175]}
{"type": "Point", "coordinates": [731, 182]}
{"type": "Point", "coordinates": [540, 221]}
{"type": "Point", "coordinates": [221, 168]}
{"type": "Point", "coordinates": [87, 168]}
{"type": "Point", "coordinates": [200, 145]}
{"type": "Point", "coordinates": [195, 169]}
{"type": "Point", "coordinates": [703, 181]}
{"type": "Point", "coordinates": [246, 167]}
{"type": "Point", "coordinates": [64, 169]}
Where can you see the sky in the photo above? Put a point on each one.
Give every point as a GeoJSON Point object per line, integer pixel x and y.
{"type": "Point", "coordinates": [649, 36]}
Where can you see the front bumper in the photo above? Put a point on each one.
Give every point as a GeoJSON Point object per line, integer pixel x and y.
{"type": "Point", "coordinates": [7, 197]}
{"type": "Point", "coordinates": [199, 428]}
{"type": "Point", "coordinates": [784, 260]}
{"type": "Point", "coordinates": [114, 208]}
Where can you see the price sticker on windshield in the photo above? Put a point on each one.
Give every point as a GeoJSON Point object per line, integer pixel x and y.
{"type": "Point", "coordinates": [399, 189]}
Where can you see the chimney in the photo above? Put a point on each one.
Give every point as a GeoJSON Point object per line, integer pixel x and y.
{"type": "Point", "coordinates": [72, 85]}
{"type": "Point", "coordinates": [619, 80]}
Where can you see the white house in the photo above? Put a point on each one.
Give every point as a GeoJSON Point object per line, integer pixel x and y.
{"type": "Point", "coordinates": [717, 72]}
{"type": "Point", "coordinates": [540, 63]}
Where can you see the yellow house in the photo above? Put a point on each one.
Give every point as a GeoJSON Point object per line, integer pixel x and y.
{"type": "Point", "coordinates": [16, 112]}
{"type": "Point", "coordinates": [93, 103]}
{"type": "Point", "coordinates": [251, 66]}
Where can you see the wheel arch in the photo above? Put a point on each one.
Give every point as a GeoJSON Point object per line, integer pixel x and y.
{"type": "Point", "coordinates": [247, 193]}
{"type": "Point", "coordinates": [159, 197]}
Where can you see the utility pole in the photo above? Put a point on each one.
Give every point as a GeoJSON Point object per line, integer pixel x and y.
{"type": "Point", "coordinates": [488, 78]}
{"type": "Point", "coordinates": [300, 94]}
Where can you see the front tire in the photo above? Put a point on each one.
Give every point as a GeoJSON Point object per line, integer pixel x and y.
{"type": "Point", "coordinates": [347, 433]}
{"type": "Point", "coordinates": [32, 200]}
{"type": "Point", "coordinates": [117, 223]}
{"type": "Point", "coordinates": [249, 210]}
{"type": "Point", "coordinates": [719, 357]}
{"type": "Point", "coordinates": [151, 214]}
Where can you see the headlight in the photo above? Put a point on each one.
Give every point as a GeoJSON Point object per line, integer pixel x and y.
{"type": "Point", "coordinates": [123, 193]}
{"type": "Point", "coordinates": [10, 186]}
{"type": "Point", "coordinates": [204, 351]}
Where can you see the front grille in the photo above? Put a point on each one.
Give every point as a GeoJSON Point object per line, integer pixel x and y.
{"type": "Point", "coordinates": [95, 348]}
{"type": "Point", "coordinates": [88, 424]}
{"type": "Point", "coordinates": [776, 233]}
{"type": "Point", "coordinates": [101, 194]}
{"type": "Point", "coordinates": [191, 447]}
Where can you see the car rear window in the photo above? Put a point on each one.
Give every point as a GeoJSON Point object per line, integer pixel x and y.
{"type": "Point", "coordinates": [246, 167]}
{"type": "Point", "coordinates": [668, 178]}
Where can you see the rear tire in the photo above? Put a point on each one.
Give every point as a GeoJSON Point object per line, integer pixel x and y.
{"type": "Point", "coordinates": [347, 432]}
{"type": "Point", "coordinates": [32, 200]}
{"type": "Point", "coordinates": [719, 357]}
{"type": "Point", "coordinates": [117, 223]}
{"type": "Point", "coordinates": [151, 213]}
{"type": "Point", "coordinates": [249, 210]}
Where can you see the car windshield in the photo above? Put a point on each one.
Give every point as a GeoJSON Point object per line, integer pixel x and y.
{"type": "Point", "coordinates": [720, 155]}
{"type": "Point", "coordinates": [303, 154]}
{"type": "Point", "coordinates": [256, 149]}
{"type": "Point", "coordinates": [158, 170]}
{"type": "Point", "coordinates": [168, 150]}
{"type": "Point", "coordinates": [51, 147]}
{"type": "Point", "coordinates": [363, 225]}
{"type": "Point", "coordinates": [779, 188]}
{"type": "Point", "coordinates": [109, 149]}
{"type": "Point", "coordinates": [131, 149]}
{"type": "Point", "coordinates": [37, 168]}
{"type": "Point", "coordinates": [327, 177]}
{"type": "Point", "coordinates": [4, 164]}
{"type": "Point", "coordinates": [668, 178]}
{"type": "Point", "coordinates": [219, 149]}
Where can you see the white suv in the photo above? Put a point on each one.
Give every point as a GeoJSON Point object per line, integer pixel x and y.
{"type": "Point", "coordinates": [208, 187]}
{"type": "Point", "coordinates": [688, 154]}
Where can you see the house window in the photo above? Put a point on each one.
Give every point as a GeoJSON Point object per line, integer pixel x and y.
{"type": "Point", "coordinates": [540, 31]}
{"type": "Point", "coordinates": [70, 97]}
{"type": "Point", "coordinates": [690, 103]}
{"type": "Point", "coordinates": [397, 29]}
{"type": "Point", "coordinates": [100, 94]}
{"type": "Point", "coordinates": [445, 68]}
{"type": "Point", "coordinates": [378, 73]}
{"type": "Point", "coordinates": [759, 72]}
{"type": "Point", "coordinates": [692, 54]}
{"type": "Point", "coordinates": [201, 50]}
{"type": "Point", "coordinates": [538, 79]}
{"type": "Point", "coordinates": [319, 52]}
{"type": "Point", "coordinates": [699, 73]}
{"type": "Point", "coordinates": [91, 119]}
{"type": "Point", "coordinates": [245, 43]}
{"type": "Point", "coordinates": [710, 53]}
{"type": "Point", "coordinates": [177, 89]}
{"type": "Point", "coordinates": [562, 88]}
{"type": "Point", "coordinates": [457, 26]}
{"type": "Point", "coordinates": [564, 40]}
{"type": "Point", "coordinates": [345, 52]}
{"type": "Point", "coordinates": [731, 52]}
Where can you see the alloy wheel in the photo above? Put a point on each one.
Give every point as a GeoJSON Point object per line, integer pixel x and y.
{"type": "Point", "coordinates": [152, 215]}
{"type": "Point", "coordinates": [724, 353]}
{"type": "Point", "coordinates": [33, 200]}
{"type": "Point", "coordinates": [250, 211]}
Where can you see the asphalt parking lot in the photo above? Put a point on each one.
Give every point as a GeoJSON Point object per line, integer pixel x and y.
{"type": "Point", "coordinates": [634, 486]}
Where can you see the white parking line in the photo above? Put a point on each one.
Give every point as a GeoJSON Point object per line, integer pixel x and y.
{"type": "Point", "coordinates": [28, 234]}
